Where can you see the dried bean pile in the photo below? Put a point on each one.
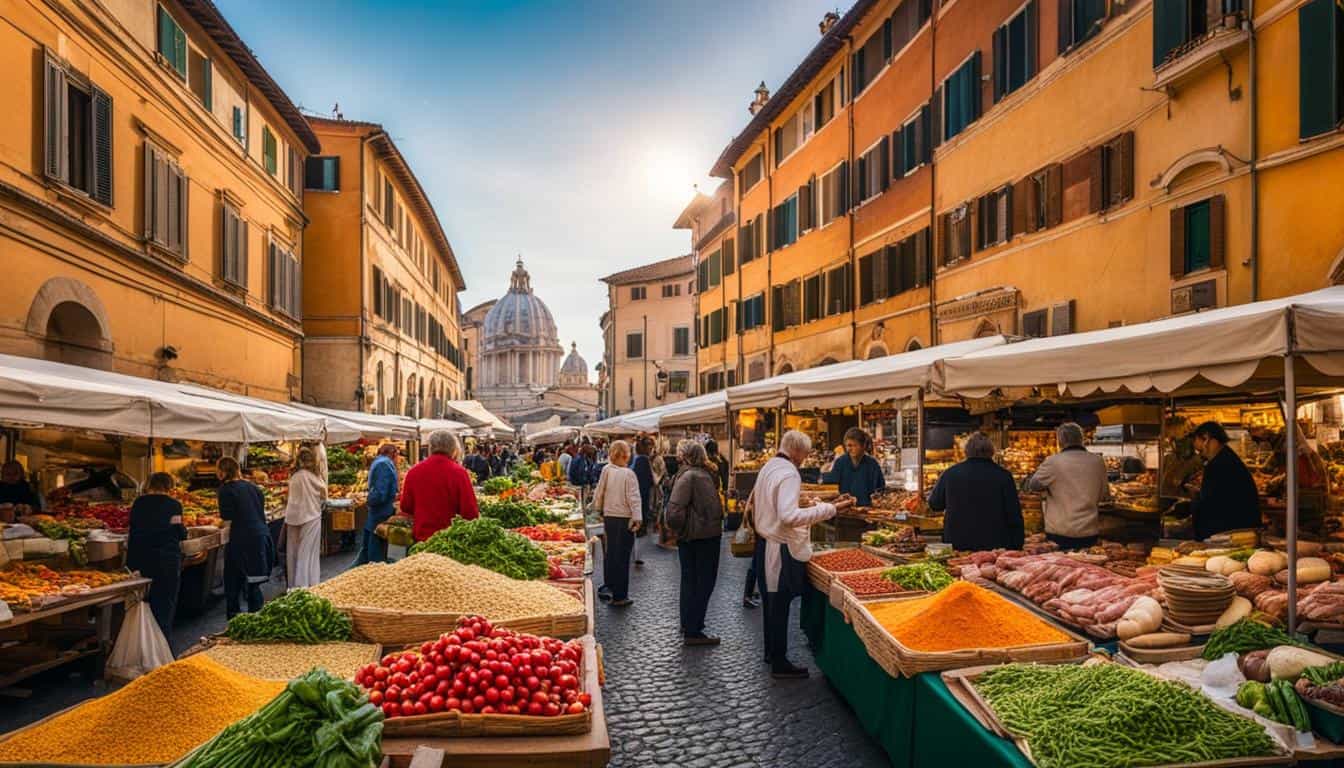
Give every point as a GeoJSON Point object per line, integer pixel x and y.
{"type": "Point", "coordinates": [429, 583]}
{"type": "Point", "coordinates": [285, 661]}
{"type": "Point", "coordinates": [847, 560]}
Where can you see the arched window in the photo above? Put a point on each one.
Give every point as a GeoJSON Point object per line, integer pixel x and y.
{"type": "Point", "coordinates": [985, 329]}
{"type": "Point", "coordinates": [913, 344]}
{"type": "Point", "coordinates": [876, 351]}
{"type": "Point", "coordinates": [380, 402]}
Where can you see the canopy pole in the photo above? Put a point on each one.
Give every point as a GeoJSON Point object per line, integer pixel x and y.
{"type": "Point", "coordinates": [919, 440]}
{"type": "Point", "coordinates": [1290, 459]}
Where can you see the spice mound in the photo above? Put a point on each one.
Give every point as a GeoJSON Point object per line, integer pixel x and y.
{"type": "Point", "coordinates": [285, 661]}
{"type": "Point", "coordinates": [429, 583]}
{"type": "Point", "coordinates": [963, 617]}
{"type": "Point", "coordinates": [154, 719]}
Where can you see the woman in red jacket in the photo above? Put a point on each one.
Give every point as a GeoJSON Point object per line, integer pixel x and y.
{"type": "Point", "coordinates": [438, 489]}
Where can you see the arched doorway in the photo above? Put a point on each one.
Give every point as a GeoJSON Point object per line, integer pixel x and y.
{"type": "Point", "coordinates": [876, 351]}
{"type": "Point", "coordinates": [913, 345]}
{"type": "Point", "coordinates": [71, 320]}
{"type": "Point", "coordinates": [382, 391]}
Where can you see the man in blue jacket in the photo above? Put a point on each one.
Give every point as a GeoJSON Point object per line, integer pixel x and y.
{"type": "Point", "coordinates": [382, 503]}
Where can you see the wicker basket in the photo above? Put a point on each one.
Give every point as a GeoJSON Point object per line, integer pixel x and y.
{"type": "Point", "coordinates": [394, 627]}
{"type": "Point", "coordinates": [839, 590]}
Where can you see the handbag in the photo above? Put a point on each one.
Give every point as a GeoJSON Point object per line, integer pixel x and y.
{"type": "Point", "coordinates": [743, 543]}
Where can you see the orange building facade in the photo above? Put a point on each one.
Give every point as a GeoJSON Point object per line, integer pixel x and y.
{"type": "Point", "coordinates": [936, 171]}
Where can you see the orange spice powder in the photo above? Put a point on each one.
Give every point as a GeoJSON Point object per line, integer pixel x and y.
{"type": "Point", "coordinates": [963, 617]}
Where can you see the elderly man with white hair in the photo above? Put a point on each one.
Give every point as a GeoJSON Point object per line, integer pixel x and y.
{"type": "Point", "coordinates": [784, 544]}
{"type": "Point", "coordinates": [1074, 482]}
{"type": "Point", "coordinates": [438, 490]}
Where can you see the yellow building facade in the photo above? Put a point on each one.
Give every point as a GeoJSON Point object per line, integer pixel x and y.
{"type": "Point", "coordinates": [650, 331]}
{"type": "Point", "coordinates": [151, 208]}
{"type": "Point", "coordinates": [381, 281]}
{"type": "Point", "coordinates": [936, 171]}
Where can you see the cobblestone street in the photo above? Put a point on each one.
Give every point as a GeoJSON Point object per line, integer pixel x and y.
{"type": "Point", "coordinates": [714, 707]}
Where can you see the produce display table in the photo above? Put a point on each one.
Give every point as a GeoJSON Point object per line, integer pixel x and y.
{"type": "Point", "coordinates": [589, 750]}
{"type": "Point", "coordinates": [915, 720]}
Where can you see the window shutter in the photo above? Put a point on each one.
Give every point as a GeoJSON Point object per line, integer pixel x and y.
{"type": "Point", "coordinates": [1217, 231]}
{"type": "Point", "coordinates": [1054, 195]}
{"type": "Point", "coordinates": [209, 74]}
{"type": "Point", "coordinates": [1065, 26]}
{"type": "Point", "coordinates": [1170, 28]}
{"type": "Point", "coordinates": [1318, 29]}
{"type": "Point", "coordinates": [272, 279]}
{"type": "Point", "coordinates": [1061, 318]}
{"type": "Point", "coordinates": [1095, 175]}
{"type": "Point", "coordinates": [1024, 205]}
{"type": "Point", "coordinates": [842, 188]}
{"type": "Point", "coordinates": [944, 224]}
{"type": "Point", "coordinates": [1033, 37]}
{"type": "Point", "coordinates": [296, 280]}
{"type": "Point", "coordinates": [228, 262]}
{"type": "Point", "coordinates": [1124, 186]}
{"type": "Point", "coordinates": [242, 252]}
{"type": "Point", "coordinates": [183, 210]}
{"type": "Point", "coordinates": [1177, 242]}
{"type": "Point", "coordinates": [729, 258]}
{"type": "Point", "coordinates": [897, 168]}
{"type": "Point", "coordinates": [936, 119]}
{"type": "Point", "coordinates": [866, 279]}
{"type": "Point", "coordinates": [102, 147]}
{"type": "Point", "coordinates": [969, 223]}
{"type": "Point", "coordinates": [976, 91]}
{"type": "Point", "coordinates": [149, 206]}
{"type": "Point", "coordinates": [758, 235]}
{"type": "Point", "coordinates": [922, 257]}
{"type": "Point", "coordinates": [1000, 63]}
{"type": "Point", "coordinates": [884, 161]}
{"type": "Point", "coordinates": [1003, 215]}
{"type": "Point", "coordinates": [886, 40]}
{"type": "Point", "coordinates": [180, 50]}
{"type": "Point", "coordinates": [54, 122]}
{"type": "Point", "coordinates": [804, 207]}
{"type": "Point", "coordinates": [162, 195]}
{"type": "Point", "coordinates": [847, 279]}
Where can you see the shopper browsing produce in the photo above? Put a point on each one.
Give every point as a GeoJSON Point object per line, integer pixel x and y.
{"type": "Point", "coordinates": [303, 521]}
{"type": "Point", "coordinates": [857, 472]}
{"type": "Point", "coordinates": [154, 547]}
{"type": "Point", "coordinates": [617, 498]}
{"type": "Point", "coordinates": [695, 515]}
{"type": "Point", "coordinates": [980, 499]}
{"type": "Point", "coordinates": [250, 553]}
{"type": "Point", "coordinates": [1074, 482]}
{"type": "Point", "coordinates": [382, 501]}
{"type": "Point", "coordinates": [784, 543]}
{"type": "Point", "coordinates": [1227, 497]}
{"type": "Point", "coordinates": [438, 489]}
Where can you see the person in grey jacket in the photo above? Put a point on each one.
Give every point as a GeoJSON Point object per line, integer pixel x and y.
{"type": "Point", "coordinates": [695, 515]}
{"type": "Point", "coordinates": [1074, 482]}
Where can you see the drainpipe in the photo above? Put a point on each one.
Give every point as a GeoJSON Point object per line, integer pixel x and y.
{"type": "Point", "coordinates": [644, 342]}
{"type": "Point", "coordinates": [363, 275]}
{"type": "Point", "coordinates": [769, 252]}
{"type": "Point", "coordinates": [853, 265]}
{"type": "Point", "coordinates": [1254, 260]}
{"type": "Point", "coordinates": [933, 187]}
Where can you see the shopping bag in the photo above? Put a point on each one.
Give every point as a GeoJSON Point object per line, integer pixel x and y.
{"type": "Point", "coordinates": [141, 646]}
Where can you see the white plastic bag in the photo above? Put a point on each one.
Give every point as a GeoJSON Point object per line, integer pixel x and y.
{"type": "Point", "coordinates": [141, 646]}
{"type": "Point", "coordinates": [743, 535]}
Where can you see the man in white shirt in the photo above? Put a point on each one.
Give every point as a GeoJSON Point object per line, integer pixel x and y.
{"type": "Point", "coordinates": [784, 544]}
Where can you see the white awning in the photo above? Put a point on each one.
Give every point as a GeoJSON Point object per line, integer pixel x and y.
{"type": "Point", "coordinates": [476, 415]}
{"type": "Point", "coordinates": [348, 426]}
{"type": "Point", "coordinates": [1233, 347]}
{"type": "Point", "coordinates": [857, 381]}
{"type": "Point", "coordinates": [426, 426]}
{"type": "Point", "coordinates": [703, 409]}
{"type": "Point", "coordinates": [552, 436]}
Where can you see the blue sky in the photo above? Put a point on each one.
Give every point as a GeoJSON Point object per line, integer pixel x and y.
{"type": "Point", "coordinates": [569, 132]}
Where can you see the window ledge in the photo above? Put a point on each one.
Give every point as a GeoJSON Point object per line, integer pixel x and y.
{"type": "Point", "coordinates": [1197, 55]}
{"type": "Point", "coordinates": [164, 254]}
{"type": "Point", "coordinates": [77, 198]}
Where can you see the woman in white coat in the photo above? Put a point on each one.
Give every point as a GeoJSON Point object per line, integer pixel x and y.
{"type": "Point", "coordinates": [303, 521]}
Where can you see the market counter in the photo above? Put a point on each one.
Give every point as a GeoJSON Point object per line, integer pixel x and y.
{"type": "Point", "coordinates": [915, 720]}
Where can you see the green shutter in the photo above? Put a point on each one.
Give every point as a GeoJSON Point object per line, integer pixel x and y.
{"type": "Point", "coordinates": [1170, 21]}
{"type": "Point", "coordinates": [209, 96]}
{"type": "Point", "coordinates": [166, 35]}
{"type": "Point", "coordinates": [1318, 25]}
{"type": "Point", "coordinates": [179, 50]}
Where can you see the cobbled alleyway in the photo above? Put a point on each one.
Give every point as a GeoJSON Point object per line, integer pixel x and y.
{"type": "Point", "coordinates": [713, 707]}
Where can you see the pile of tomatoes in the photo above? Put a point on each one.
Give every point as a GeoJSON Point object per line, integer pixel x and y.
{"type": "Point", "coordinates": [479, 668]}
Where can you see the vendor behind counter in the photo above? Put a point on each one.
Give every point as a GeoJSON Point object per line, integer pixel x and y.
{"type": "Point", "coordinates": [857, 472]}
{"type": "Point", "coordinates": [17, 497]}
{"type": "Point", "coordinates": [1227, 499]}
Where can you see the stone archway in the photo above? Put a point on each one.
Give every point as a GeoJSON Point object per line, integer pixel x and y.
{"type": "Point", "coordinates": [875, 351]}
{"type": "Point", "coordinates": [72, 321]}
{"type": "Point", "coordinates": [785, 367]}
{"type": "Point", "coordinates": [913, 344]}
{"type": "Point", "coordinates": [985, 329]}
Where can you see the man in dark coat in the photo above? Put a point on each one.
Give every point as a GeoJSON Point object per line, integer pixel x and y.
{"type": "Point", "coordinates": [1227, 498]}
{"type": "Point", "coordinates": [980, 499]}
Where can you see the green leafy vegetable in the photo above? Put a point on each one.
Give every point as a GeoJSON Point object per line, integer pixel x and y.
{"type": "Point", "coordinates": [297, 616]}
{"type": "Point", "coordinates": [484, 542]}
{"type": "Point", "coordinates": [1246, 635]}
{"type": "Point", "coordinates": [497, 485]}
{"type": "Point", "coordinates": [927, 576]}
{"type": "Point", "coordinates": [512, 513]}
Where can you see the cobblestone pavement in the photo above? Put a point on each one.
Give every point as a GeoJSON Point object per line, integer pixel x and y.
{"type": "Point", "coordinates": [714, 707]}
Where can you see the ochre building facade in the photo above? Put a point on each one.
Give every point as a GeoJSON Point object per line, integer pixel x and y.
{"type": "Point", "coordinates": [936, 171]}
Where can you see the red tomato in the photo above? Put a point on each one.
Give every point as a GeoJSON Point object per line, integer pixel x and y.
{"type": "Point", "coordinates": [512, 709]}
{"type": "Point", "coordinates": [540, 697]}
{"type": "Point", "coordinates": [380, 673]}
{"type": "Point", "coordinates": [426, 647]}
{"type": "Point", "coordinates": [533, 682]}
{"type": "Point", "coordinates": [453, 640]}
{"type": "Point", "coordinates": [458, 687]}
{"type": "Point", "coordinates": [492, 695]}
{"type": "Point", "coordinates": [534, 709]}
{"type": "Point", "coordinates": [556, 674]}
{"type": "Point", "coordinates": [429, 681]}
{"type": "Point", "coordinates": [468, 707]}
{"type": "Point", "coordinates": [436, 704]}
{"type": "Point", "coordinates": [399, 679]}
{"type": "Point", "coordinates": [452, 703]}
{"type": "Point", "coordinates": [379, 685]}
{"type": "Point", "coordinates": [575, 709]}
{"type": "Point", "coordinates": [506, 695]}
{"type": "Point", "coordinates": [465, 634]}
{"type": "Point", "coordinates": [425, 697]}
{"type": "Point", "coordinates": [403, 666]}
{"type": "Point", "coordinates": [376, 697]}
{"type": "Point", "coordinates": [506, 668]}
{"type": "Point", "coordinates": [586, 699]}
{"type": "Point", "coordinates": [391, 709]}
{"type": "Point", "coordinates": [551, 710]}
{"type": "Point", "coordinates": [420, 709]}
{"type": "Point", "coordinates": [389, 660]}
{"type": "Point", "coordinates": [569, 681]}
{"type": "Point", "coordinates": [443, 671]}
{"type": "Point", "coordinates": [521, 694]}
{"type": "Point", "coordinates": [478, 701]}
{"type": "Point", "coordinates": [393, 692]}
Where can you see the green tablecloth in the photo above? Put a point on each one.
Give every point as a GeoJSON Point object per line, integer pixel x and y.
{"type": "Point", "coordinates": [916, 721]}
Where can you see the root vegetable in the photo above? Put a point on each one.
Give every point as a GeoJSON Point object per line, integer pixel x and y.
{"type": "Point", "coordinates": [1286, 662]}
{"type": "Point", "coordinates": [1159, 640]}
{"type": "Point", "coordinates": [1144, 616]}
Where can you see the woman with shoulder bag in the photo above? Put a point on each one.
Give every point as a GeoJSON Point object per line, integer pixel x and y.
{"type": "Point", "coordinates": [746, 533]}
{"type": "Point", "coordinates": [695, 515]}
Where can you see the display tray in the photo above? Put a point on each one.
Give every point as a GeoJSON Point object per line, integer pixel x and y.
{"type": "Point", "coordinates": [899, 661]}
{"type": "Point", "coordinates": [960, 685]}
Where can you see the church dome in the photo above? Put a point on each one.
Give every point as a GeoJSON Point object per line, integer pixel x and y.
{"type": "Point", "coordinates": [574, 371]}
{"type": "Point", "coordinates": [519, 318]}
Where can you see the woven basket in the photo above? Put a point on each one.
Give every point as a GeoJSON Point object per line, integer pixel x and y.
{"type": "Point", "coordinates": [839, 589]}
{"type": "Point", "coordinates": [877, 641]}
{"type": "Point", "coordinates": [819, 577]}
{"type": "Point", "coordinates": [394, 627]}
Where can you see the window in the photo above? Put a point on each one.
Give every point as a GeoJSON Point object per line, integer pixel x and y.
{"type": "Point", "coordinates": [638, 292]}
{"type": "Point", "coordinates": [165, 202]}
{"type": "Point", "coordinates": [1061, 318]}
{"type": "Point", "coordinates": [792, 134]}
{"type": "Point", "coordinates": [1079, 21]}
{"type": "Point", "coordinates": [269, 150]}
{"type": "Point", "coordinates": [872, 177]}
{"type": "Point", "coordinates": [729, 257]}
{"type": "Point", "coordinates": [233, 250]}
{"type": "Point", "coordinates": [872, 277]}
{"type": "Point", "coordinates": [784, 227]}
{"type": "Point", "coordinates": [678, 382]}
{"type": "Point", "coordinates": [1117, 169]}
{"type": "Point", "coordinates": [751, 173]}
{"type": "Point", "coordinates": [1320, 83]}
{"type": "Point", "coordinates": [284, 280]}
{"type": "Point", "coordinates": [172, 43]}
{"type": "Point", "coordinates": [752, 237]}
{"type": "Point", "coordinates": [77, 127]}
{"type": "Point", "coordinates": [1015, 52]}
{"type": "Point", "coordinates": [838, 290]}
{"type": "Point", "coordinates": [871, 58]}
{"type": "Point", "coordinates": [407, 319]}
{"type": "Point", "coordinates": [1033, 324]}
{"type": "Point", "coordinates": [702, 276]}
{"type": "Point", "coordinates": [1198, 236]}
{"type": "Point", "coordinates": [201, 78]}
{"type": "Point", "coordinates": [323, 174]}
{"type": "Point", "coordinates": [812, 298]}
{"type": "Point", "coordinates": [1082, 177]}
{"type": "Point", "coordinates": [834, 194]}
{"type": "Point", "coordinates": [824, 104]}
{"type": "Point", "coordinates": [807, 218]}
{"type": "Point", "coordinates": [751, 313]}
{"type": "Point", "coordinates": [787, 305]}
{"type": "Point", "coordinates": [634, 345]}
{"type": "Point", "coordinates": [716, 333]}
{"type": "Point", "coordinates": [379, 293]}
{"type": "Point", "coordinates": [294, 174]}
{"type": "Point", "coordinates": [671, 289]}
{"type": "Point", "coordinates": [906, 22]}
{"type": "Point", "coordinates": [961, 97]}
{"type": "Point", "coordinates": [681, 342]}
{"type": "Point", "coordinates": [956, 233]}
{"type": "Point", "coordinates": [1037, 200]}
{"type": "Point", "coordinates": [239, 126]}
{"type": "Point", "coordinates": [994, 218]}
{"type": "Point", "coordinates": [911, 146]}
{"type": "Point", "coordinates": [1178, 23]}
{"type": "Point", "coordinates": [715, 268]}
{"type": "Point", "coordinates": [389, 204]}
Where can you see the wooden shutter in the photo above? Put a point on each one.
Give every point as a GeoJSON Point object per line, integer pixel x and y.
{"type": "Point", "coordinates": [882, 274]}
{"type": "Point", "coordinates": [1178, 242]}
{"type": "Point", "coordinates": [1033, 38]}
{"type": "Point", "coordinates": [1003, 214]}
{"type": "Point", "coordinates": [976, 89]}
{"type": "Point", "coordinates": [1095, 177]}
{"type": "Point", "coordinates": [272, 275]}
{"type": "Point", "coordinates": [228, 254]}
{"type": "Point", "coordinates": [729, 257]}
{"type": "Point", "coordinates": [1065, 26]}
{"type": "Point", "coordinates": [867, 279]}
{"type": "Point", "coordinates": [758, 235]}
{"type": "Point", "coordinates": [55, 124]}
{"type": "Point", "coordinates": [1217, 231]}
{"type": "Point", "coordinates": [842, 189]}
{"type": "Point", "coordinates": [1000, 63]}
{"type": "Point", "coordinates": [1125, 149]}
{"type": "Point", "coordinates": [183, 210]}
{"type": "Point", "coordinates": [897, 168]}
{"type": "Point", "coordinates": [1024, 206]}
{"type": "Point", "coordinates": [1054, 195]}
{"type": "Point", "coordinates": [102, 146]}
{"type": "Point", "coordinates": [968, 226]}
{"type": "Point", "coordinates": [924, 136]}
{"type": "Point", "coordinates": [936, 119]}
{"type": "Point", "coordinates": [944, 224]}
{"type": "Point", "coordinates": [1318, 30]}
{"type": "Point", "coordinates": [172, 208]}
{"type": "Point", "coordinates": [1061, 318]}
{"type": "Point", "coordinates": [242, 251]}
{"type": "Point", "coordinates": [296, 283]}
{"type": "Point", "coordinates": [922, 257]}
{"type": "Point", "coordinates": [804, 207]}
{"type": "Point", "coordinates": [1170, 28]}
{"type": "Point", "coordinates": [884, 161]}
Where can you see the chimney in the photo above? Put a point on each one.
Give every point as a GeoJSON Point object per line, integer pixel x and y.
{"type": "Point", "coordinates": [762, 96]}
{"type": "Point", "coordinates": [828, 21]}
